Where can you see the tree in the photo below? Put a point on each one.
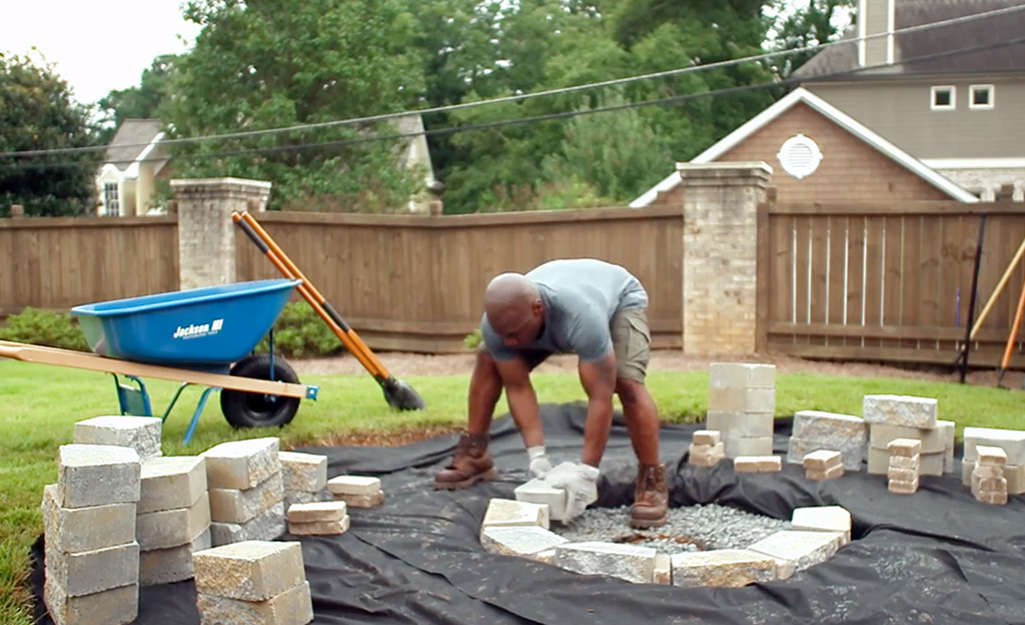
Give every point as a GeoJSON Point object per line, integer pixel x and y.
{"type": "Point", "coordinates": [37, 112]}
{"type": "Point", "coordinates": [142, 102]}
{"type": "Point", "coordinates": [816, 23]}
{"type": "Point", "coordinates": [274, 63]}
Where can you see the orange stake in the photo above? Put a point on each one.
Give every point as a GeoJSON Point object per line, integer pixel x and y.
{"type": "Point", "coordinates": [1014, 333]}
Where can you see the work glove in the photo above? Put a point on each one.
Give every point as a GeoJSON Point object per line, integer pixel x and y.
{"type": "Point", "coordinates": [580, 481]}
{"type": "Point", "coordinates": [538, 463]}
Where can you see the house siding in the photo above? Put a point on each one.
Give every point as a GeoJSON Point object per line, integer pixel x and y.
{"type": "Point", "coordinates": [877, 20]}
{"type": "Point", "coordinates": [900, 112]}
{"type": "Point", "coordinates": [851, 170]}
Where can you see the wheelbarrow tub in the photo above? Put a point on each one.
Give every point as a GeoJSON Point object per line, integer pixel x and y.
{"type": "Point", "coordinates": [205, 328]}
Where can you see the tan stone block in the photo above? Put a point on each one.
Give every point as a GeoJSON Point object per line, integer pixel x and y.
{"type": "Point", "coordinates": [828, 474]}
{"type": "Point", "coordinates": [319, 528]}
{"type": "Point", "coordinates": [906, 447]}
{"type": "Point", "coordinates": [758, 464]}
{"type": "Point", "coordinates": [705, 460]}
{"type": "Point", "coordinates": [291, 607]}
{"type": "Point", "coordinates": [902, 475]}
{"type": "Point", "coordinates": [822, 460]}
{"type": "Point", "coordinates": [801, 549]}
{"type": "Point", "coordinates": [991, 497]}
{"type": "Point", "coordinates": [992, 484]}
{"type": "Point", "coordinates": [985, 471]}
{"type": "Point", "coordinates": [241, 464]}
{"type": "Point", "coordinates": [823, 519]}
{"type": "Point", "coordinates": [361, 501]}
{"type": "Point", "coordinates": [727, 568]}
{"type": "Point", "coordinates": [902, 488]}
{"type": "Point", "coordinates": [117, 606]}
{"type": "Point", "coordinates": [1015, 476]}
{"type": "Point", "coordinates": [663, 573]}
{"type": "Point", "coordinates": [316, 512]}
{"type": "Point", "coordinates": [933, 440]}
{"type": "Point", "coordinates": [706, 437]}
{"type": "Point", "coordinates": [354, 485]}
{"type": "Point", "coordinates": [302, 471]}
{"type": "Point", "coordinates": [512, 513]}
{"type": "Point", "coordinates": [232, 505]}
{"type": "Point", "coordinates": [546, 557]}
{"type": "Point", "coordinates": [252, 570]}
{"type": "Point", "coordinates": [524, 541]}
{"type": "Point", "coordinates": [987, 455]}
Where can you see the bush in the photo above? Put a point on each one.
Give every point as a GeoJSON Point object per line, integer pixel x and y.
{"type": "Point", "coordinates": [299, 332]}
{"type": "Point", "coordinates": [473, 339]}
{"type": "Point", "coordinates": [40, 327]}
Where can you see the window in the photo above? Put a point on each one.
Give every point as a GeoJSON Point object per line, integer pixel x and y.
{"type": "Point", "coordinates": [980, 97]}
{"type": "Point", "coordinates": [942, 98]}
{"type": "Point", "coordinates": [799, 156]}
{"type": "Point", "coordinates": [111, 206]}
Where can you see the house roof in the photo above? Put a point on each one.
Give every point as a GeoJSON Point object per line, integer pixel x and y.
{"type": "Point", "coordinates": [842, 58]}
{"type": "Point", "coordinates": [133, 137]}
{"type": "Point", "coordinates": [832, 113]}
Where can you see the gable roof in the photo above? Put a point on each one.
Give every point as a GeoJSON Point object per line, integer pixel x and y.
{"type": "Point", "coordinates": [842, 58]}
{"type": "Point", "coordinates": [832, 113]}
{"type": "Point", "coordinates": [132, 139]}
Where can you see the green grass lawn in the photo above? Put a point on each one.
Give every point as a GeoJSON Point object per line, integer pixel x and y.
{"type": "Point", "coordinates": [40, 404]}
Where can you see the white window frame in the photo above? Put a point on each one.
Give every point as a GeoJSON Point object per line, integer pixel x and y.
{"type": "Point", "coordinates": [953, 98]}
{"type": "Point", "coordinates": [111, 209]}
{"type": "Point", "coordinates": [981, 107]}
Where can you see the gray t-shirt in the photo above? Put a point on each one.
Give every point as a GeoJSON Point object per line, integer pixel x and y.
{"type": "Point", "coordinates": [580, 296]}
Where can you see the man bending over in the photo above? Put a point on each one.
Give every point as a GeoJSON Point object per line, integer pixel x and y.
{"type": "Point", "coordinates": [586, 307]}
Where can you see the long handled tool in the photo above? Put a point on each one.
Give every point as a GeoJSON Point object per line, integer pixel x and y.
{"type": "Point", "coordinates": [1013, 335]}
{"type": "Point", "coordinates": [397, 393]}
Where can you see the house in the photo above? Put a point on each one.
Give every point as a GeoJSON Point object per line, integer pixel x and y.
{"type": "Point", "coordinates": [905, 116]}
{"type": "Point", "coordinates": [125, 184]}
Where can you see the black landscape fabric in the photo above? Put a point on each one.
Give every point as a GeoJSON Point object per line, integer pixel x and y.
{"type": "Point", "coordinates": [935, 557]}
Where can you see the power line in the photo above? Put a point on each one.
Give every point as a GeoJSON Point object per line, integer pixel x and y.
{"type": "Point", "coordinates": [518, 121]}
{"type": "Point", "coordinates": [528, 96]}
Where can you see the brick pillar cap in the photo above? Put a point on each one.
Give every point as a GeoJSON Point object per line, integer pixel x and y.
{"type": "Point", "coordinates": [220, 182]}
{"type": "Point", "coordinates": [745, 169]}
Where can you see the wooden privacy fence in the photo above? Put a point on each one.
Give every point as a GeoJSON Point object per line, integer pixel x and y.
{"type": "Point", "coordinates": [888, 282]}
{"type": "Point", "coordinates": [417, 283]}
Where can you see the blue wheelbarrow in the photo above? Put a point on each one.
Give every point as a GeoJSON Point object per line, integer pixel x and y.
{"type": "Point", "coordinates": [200, 336]}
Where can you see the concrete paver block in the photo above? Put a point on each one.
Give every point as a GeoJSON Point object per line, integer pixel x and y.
{"type": "Point", "coordinates": [1015, 476]}
{"type": "Point", "coordinates": [906, 447]}
{"type": "Point", "coordinates": [823, 519]}
{"type": "Point", "coordinates": [512, 513]}
{"type": "Point", "coordinates": [302, 471]}
{"type": "Point", "coordinates": [117, 606]}
{"type": "Point", "coordinates": [241, 464]}
{"type": "Point", "coordinates": [320, 528]}
{"type": "Point", "coordinates": [1011, 441]}
{"type": "Point", "coordinates": [762, 400]}
{"type": "Point", "coordinates": [524, 541]}
{"type": "Point", "coordinates": [823, 426]}
{"type": "Point", "coordinates": [726, 568]}
{"type": "Point", "coordinates": [902, 475]}
{"type": "Point", "coordinates": [851, 451]}
{"type": "Point", "coordinates": [537, 491]}
{"type": "Point", "coordinates": [546, 557]}
{"type": "Point", "coordinates": [706, 437]}
{"type": "Point", "coordinates": [982, 484]}
{"type": "Point", "coordinates": [165, 566]}
{"type": "Point", "coordinates": [291, 607]}
{"type": "Point", "coordinates": [361, 501]}
{"type": "Point", "coordinates": [802, 549]}
{"type": "Point", "coordinates": [901, 487]}
{"type": "Point", "coordinates": [741, 375]}
{"type": "Point", "coordinates": [822, 460]}
{"type": "Point", "coordinates": [88, 572]}
{"type": "Point", "coordinates": [251, 570]}
{"type": "Point", "coordinates": [831, 473]}
{"type": "Point", "coordinates": [705, 455]}
{"type": "Point", "coordinates": [663, 572]}
{"type": "Point", "coordinates": [748, 446]}
{"type": "Point", "coordinates": [880, 461]}
{"type": "Point", "coordinates": [230, 505]}
{"type": "Point", "coordinates": [267, 525]}
{"type": "Point", "coordinates": [905, 410]}
{"type": "Point", "coordinates": [85, 529]}
{"type": "Point", "coordinates": [933, 440]}
{"type": "Point", "coordinates": [171, 528]}
{"type": "Point", "coordinates": [627, 562]}
{"type": "Point", "coordinates": [758, 464]}
{"type": "Point", "coordinates": [317, 511]}
{"type": "Point", "coordinates": [97, 475]}
{"type": "Point", "coordinates": [140, 433]}
{"type": "Point", "coordinates": [293, 497]}
{"type": "Point", "coordinates": [354, 485]}
{"type": "Point", "coordinates": [996, 498]}
{"type": "Point", "coordinates": [734, 424]}
{"type": "Point", "coordinates": [171, 482]}
{"type": "Point", "coordinates": [995, 456]}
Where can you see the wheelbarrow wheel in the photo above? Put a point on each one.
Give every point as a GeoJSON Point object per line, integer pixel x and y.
{"type": "Point", "coordinates": [257, 410]}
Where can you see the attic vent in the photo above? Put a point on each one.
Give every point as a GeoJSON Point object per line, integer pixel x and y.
{"type": "Point", "coordinates": [799, 156]}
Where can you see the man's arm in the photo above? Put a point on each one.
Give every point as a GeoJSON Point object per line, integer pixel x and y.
{"type": "Point", "coordinates": [598, 377]}
{"type": "Point", "coordinates": [522, 400]}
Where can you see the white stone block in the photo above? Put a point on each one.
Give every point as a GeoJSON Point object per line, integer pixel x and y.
{"type": "Point", "coordinates": [741, 375]}
{"type": "Point", "coordinates": [826, 426]}
{"type": "Point", "coordinates": [267, 525]}
{"type": "Point", "coordinates": [525, 541]}
{"type": "Point", "coordinates": [172, 528]}
{"type": "Point", "coordinates": [510, 513]}
{"type": "Point", "coordinates": [732, 424]}
{"type": "Point", "coordinates": [318, 511]}
{"type": "Point", "coordinates": [627, 562]}
{"type": "Point", "coordinates": [904, 410]}
{"type": "Point", "coordinates": [302, 471]}
{"type": "Point", "coordinates": [823, 519]}
{"type": "Point", "coordinates": [728, 568]}
{"type": "Point", "coordinates": [1011, 441]}
{"type": "Point", "coordinates": [800, 548]}
{"type": "Point", "coordinates": [171, 482]}
{"type": "Point", "coordinates": [354, 485]}
{"type": "Point", "coordinates": [140, 433]}
{"type": "Point", "coordinates": [241, 464]}
{"type": "Point", "coordinates": [97, 475]}
{"type": "Point", "coordinates": [230, 505]}
{"type": "Point", "coordinates": [538, 491]}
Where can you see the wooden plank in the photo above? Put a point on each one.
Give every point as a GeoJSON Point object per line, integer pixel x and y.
{"type": "Point", "coordinates": [855, 275]}
{"type": "Point", "coordinates": [802, 270]}
{"type": "Point", "coordinates": [950, 287]}
{"type": "Point", "coordinates": [874, 261]}
{"type": "Point", "coordinates": [781, 286]}
{"type": "Point", "coordinates": [934, 333]}
{"type": "Point", "coordinates": [912, 239]}
{"type": "Point", "coordinates": [930, 249]}
{"type": "Point", "coordinates": [919, 208]}
{"type": "Point", "coordinates": [79, 223]}
{"type": "Point", "coordinates": [893, 275]}
{"type": "Point", "coordinates": [894, 355]}
{"type": "Point", "coordinates": [817, 290]}
{"type": "Point", "coordinates": [763, 276]}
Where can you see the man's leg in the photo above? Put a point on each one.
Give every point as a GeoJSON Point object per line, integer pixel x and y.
{"type": "Point", "coordinates": [471, 461]}
{"type": "Point", "coordinates": [632, 341]}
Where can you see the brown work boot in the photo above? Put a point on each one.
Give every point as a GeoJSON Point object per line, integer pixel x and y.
{"type": "Point", "coordinates": [651, 498]}
{"type": "Point", "coordinates": [471, 463]}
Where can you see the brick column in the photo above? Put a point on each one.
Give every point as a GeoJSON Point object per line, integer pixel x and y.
{"type": "Point", "coordinates": [206, 233]}
{"type": "Point", "coordinates": [720, 254]}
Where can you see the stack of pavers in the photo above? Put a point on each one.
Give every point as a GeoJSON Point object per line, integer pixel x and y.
{"type": "Point", "coordinates": [305, 477]}
{"type": "Point", "coordinates": [988, 482]}
{"type": "Point", "coordinates": [905, 463]}
{"type": "Point", "coordinates": [706, 449]}
{"type": "Point", "coordinates": [253, 583]}
{"type": "Point", "coordinates": [1013, 444]}
{"type": "Point", "coordinates": [357, 491]}
{"type": "Point", "coordinates": [814, 430]}
{"type": "Point", "coordinates": [823, 465]}
{"type": "Point", "coordinates": [741, 407]}
{"type": "Point", "coordinates": [246, 491]}
{"type": "Point", "coordinates": [892, 417]}
{"type": "Point", "coordinates": [91, 557]}
{"type": "Point", "coordinates": [317, 518]}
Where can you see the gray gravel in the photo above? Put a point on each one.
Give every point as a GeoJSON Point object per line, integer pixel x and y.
{"type": "Point", "coordinates": [691, 528]}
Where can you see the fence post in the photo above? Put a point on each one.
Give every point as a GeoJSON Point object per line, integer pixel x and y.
{"type": "Point", "coordinates": [17, 211]}
{"type": "Point", "coordinates": [206, 233]}
{"type": "Point", "coordinates": [720, 255]}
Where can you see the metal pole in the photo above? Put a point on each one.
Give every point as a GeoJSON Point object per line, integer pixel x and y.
{"type": "Point", "coordinates": [971, 305]}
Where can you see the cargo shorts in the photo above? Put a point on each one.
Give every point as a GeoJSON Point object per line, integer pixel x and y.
{"type": "Point", "coordinates": [631, 341]}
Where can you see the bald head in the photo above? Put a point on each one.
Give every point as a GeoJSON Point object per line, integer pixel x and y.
{"type": "Point", "coordinates": [511, 301]}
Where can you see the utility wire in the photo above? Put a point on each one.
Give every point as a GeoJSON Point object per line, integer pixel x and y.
{"type": "Point", "coordinates": [528, 96]}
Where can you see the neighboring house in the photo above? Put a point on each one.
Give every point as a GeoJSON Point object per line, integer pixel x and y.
{"type": "Point", "coordinates": [126, 183]}
{"type": "Point", "coordinates": [901, 117]}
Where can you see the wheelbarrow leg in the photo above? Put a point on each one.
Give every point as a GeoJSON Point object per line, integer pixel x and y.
{"type": "Point", "coordinates": [195, 415]}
